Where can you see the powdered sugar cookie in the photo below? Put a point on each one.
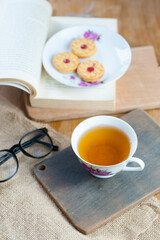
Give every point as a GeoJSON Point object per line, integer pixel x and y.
{"type": "Point", "coordinates": [90, 70]}
{"type": "Point", "coordinates": [83, 48]}
{"type": "Point", "coordinates": [65, 62]}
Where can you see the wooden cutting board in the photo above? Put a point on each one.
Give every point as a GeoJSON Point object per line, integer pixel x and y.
{"type": "Point", "coordinates": [89, 202]}
{"type": "Point", "coordinates": [138, 88]}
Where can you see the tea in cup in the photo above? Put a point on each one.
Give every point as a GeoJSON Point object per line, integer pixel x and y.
{"type": "Point", "coordinates": [105, 145]}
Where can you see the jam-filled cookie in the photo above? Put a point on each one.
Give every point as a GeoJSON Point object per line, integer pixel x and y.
{"type": "Point", "coordinates": [83, 48]}
{"type": "Point", "coordinates": [65, 62]}
{"type": "Point", "coordinates": [90, 70]}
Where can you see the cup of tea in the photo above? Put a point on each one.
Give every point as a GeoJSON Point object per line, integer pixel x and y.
{"type": "Point", "coordinates": [105, 145]}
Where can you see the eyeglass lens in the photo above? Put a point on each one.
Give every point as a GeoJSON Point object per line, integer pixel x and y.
{"type": "Point", "coordinates": [8, 165]}
{"type": "Point", "coordinates": [35, 144]}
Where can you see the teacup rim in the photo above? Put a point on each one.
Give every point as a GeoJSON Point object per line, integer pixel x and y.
{"type": "Point", "coordinates": [106, 166]}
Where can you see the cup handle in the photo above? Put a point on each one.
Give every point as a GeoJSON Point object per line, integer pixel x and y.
{"type": "Point", "coordinates": [136, 160]}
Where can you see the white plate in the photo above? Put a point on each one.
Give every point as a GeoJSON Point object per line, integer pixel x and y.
{"type": "Point", "coordinates": [113, 52]}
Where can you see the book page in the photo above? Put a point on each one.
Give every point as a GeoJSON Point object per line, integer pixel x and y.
{"type": "Point", "coordinates": [51, 89]}
{"type": "Point", "coordinates": [23, 29]}
{"type": "Point", "coordinates": [59, 23]}
{"type": "Point", "coordinates": [53, 94]}
{"type": "Point", "coordinates": [16, 85]}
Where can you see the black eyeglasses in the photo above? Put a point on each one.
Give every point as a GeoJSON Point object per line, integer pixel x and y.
{"type": "Point", "coordinates": [35, 144]}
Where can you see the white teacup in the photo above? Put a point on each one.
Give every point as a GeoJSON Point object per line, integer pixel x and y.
{"type": "Point", "coordinates": [107, 121]}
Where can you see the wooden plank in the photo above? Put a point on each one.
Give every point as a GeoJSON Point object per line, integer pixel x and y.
{"type": "Point", "coordinates": [138, 88]}
{"type": "Point", "coordinates": [89, 202]}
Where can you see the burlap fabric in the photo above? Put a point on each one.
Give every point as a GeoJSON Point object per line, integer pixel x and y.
{"type": "Point", "coordinates": [27, 212]}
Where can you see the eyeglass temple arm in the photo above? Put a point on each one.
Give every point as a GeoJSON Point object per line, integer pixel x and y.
{"type": "Point", "coordinates": [28, 143]}
{"type": "Point", "coordinates": [4, 158]}
{"type": "Point", "coordinates": [36, 139]}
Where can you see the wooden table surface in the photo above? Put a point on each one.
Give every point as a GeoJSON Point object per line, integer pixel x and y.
{"type": "Point", "coordinates": [138, 23]}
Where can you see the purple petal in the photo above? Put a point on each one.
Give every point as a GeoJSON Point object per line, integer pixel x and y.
{"type": "Point", "coordinates": [95, 83]}
{"type": "Point", "coordinates": [94, 36]}
{"type": "Point", "coordinates": [82, 84]}
{"type": "Point", "coordinates": [72, 77]}
{"type": "Point", "coordinates": [86, 35]}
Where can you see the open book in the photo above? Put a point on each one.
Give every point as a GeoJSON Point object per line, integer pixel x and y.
{"type": "Point", "coordinates": [25, 26]}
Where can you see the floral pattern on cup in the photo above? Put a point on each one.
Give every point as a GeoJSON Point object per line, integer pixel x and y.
{"type": "Point", "coordinates": [92, 35]}
{"type": "Point", "coordinates": [96, 171]}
